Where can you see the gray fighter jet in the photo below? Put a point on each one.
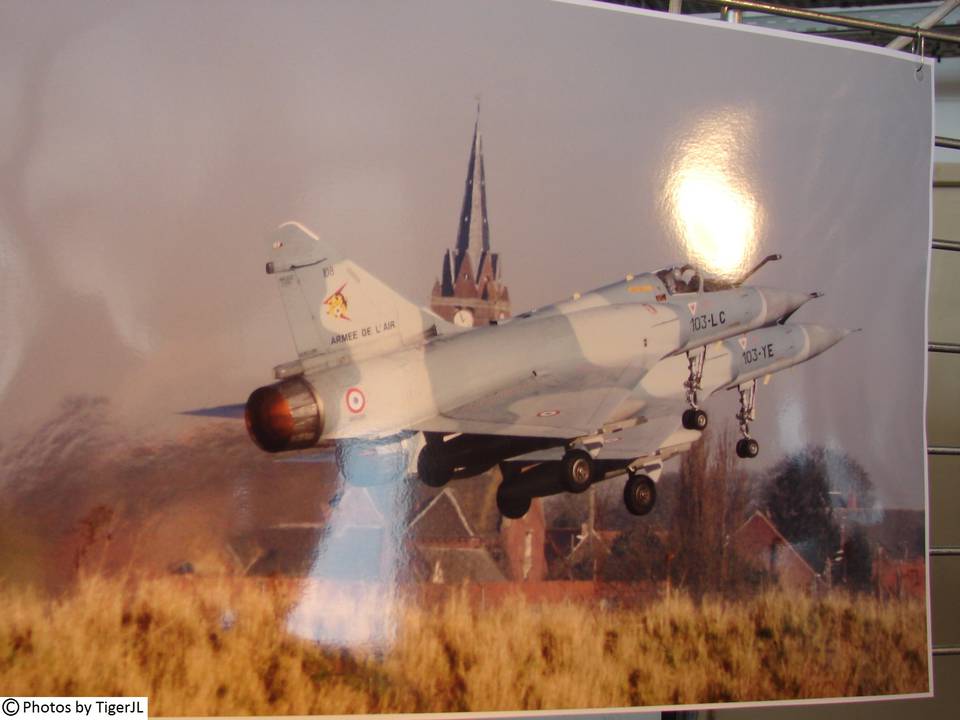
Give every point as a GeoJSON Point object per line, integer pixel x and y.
{"type": "Point", "coordinates": [608, 383]}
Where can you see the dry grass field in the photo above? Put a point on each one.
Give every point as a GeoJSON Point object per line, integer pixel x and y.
{"type": "Point", "coordinates": [220, 647]}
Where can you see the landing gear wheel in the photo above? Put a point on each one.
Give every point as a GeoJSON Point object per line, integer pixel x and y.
{"type": "Point", "coordinates": [433, 470]}
{"type": "Point", "coordinates": [747, 448]}
{"type": "Point", "coordinates": [694, 419]}
{"type": "Point", "coordinates": [639, 494]}
{"type": "Point", "coordinates": [576, 471]}
{"type": "Point", "coordinates": [512, 506]}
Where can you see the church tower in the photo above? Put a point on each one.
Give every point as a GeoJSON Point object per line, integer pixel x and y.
{"type": "Point", "coordinates": [469, 291]}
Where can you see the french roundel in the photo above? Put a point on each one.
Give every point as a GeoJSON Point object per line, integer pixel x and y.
{"type": "Point", "coordinates": [356, 400]}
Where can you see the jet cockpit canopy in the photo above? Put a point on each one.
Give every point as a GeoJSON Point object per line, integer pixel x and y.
{"type": "Point", "coordinates": [680, 279]}
{"type": "Point", "coordinates": [687, 279]}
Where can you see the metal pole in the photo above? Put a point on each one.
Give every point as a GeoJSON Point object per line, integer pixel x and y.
{"type": "Point", "coordinates": [946, 245]}
{"type": "Point", "coordinates": [946, 649]}
{"type": "Point", "coordinates": [946, 142]}
{"type": "Point", "coordinates": [943, 450]}
{"type": "Point", "coordinates": [828, 19]}
{"type": "Point", "coordinates": [944, 551]}
{"type": "Point", "coordinates": [929, 21]}
{"type": "Point", "coordinates": [953, 348]}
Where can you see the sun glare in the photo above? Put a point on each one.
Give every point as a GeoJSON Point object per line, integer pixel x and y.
{"type": "Point", "coordinates": [711, 206]}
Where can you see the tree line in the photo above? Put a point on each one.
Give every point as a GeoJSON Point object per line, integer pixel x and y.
{"type": "Point", "coordinates": [808, 496]}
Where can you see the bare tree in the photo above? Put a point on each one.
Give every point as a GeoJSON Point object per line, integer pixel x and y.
{"type": "Point", "coordinates": [712, 498]}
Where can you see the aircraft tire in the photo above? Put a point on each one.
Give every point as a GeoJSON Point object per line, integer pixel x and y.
{"type": "Point", "coordinates": [694, 419]}
{"type": "Point", "coordinates": [577, 470]}
{"type": "Point", "coordinates": [748, 448]}
{"type": "Point", "coordinates": [512, 506]}
{"type": "Point", "coordinates": [431, 468]}
{"type": "Point", "coordinates": [639, 494]}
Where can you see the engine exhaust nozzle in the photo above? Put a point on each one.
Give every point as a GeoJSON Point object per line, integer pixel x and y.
{"type": "Point", "coordinates": [284, 416]}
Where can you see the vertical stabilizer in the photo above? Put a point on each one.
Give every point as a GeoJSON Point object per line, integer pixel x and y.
{"type": "Point", "coordinates": [336, 308]}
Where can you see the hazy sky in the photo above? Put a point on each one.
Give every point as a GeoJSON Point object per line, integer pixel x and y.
{"type": "Point", "coordinates": [147, 149]}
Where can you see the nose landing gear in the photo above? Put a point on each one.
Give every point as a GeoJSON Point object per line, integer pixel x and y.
{"type": "Point", "coordinates": [694, 418]}
{"type": "Point", "coordinates": [747, 447]}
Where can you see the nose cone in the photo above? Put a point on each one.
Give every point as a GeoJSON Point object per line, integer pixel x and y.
{"type": "Point", "coordinates": [781, 304]}
{"type": "Point", "coordinates": [823, 338]}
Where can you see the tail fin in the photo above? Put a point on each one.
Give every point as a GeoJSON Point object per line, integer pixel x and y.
{"type": "Point", "coordinates": [337, 308]}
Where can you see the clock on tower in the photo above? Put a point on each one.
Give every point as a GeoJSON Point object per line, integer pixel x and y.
{"type": "Point", "coordinates": [463, 317]}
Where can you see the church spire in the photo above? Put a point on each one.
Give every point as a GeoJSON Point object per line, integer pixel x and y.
{"type": "Point", "coordinates": [473, 237]}
{"type": "Point", "coordinates": [469, 290]}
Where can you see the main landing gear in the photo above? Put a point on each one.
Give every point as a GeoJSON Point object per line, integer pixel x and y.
{"type": "Point", "coordinates": [694, 418]}
{"type": "Point", "coordinates": [639, 494]}
{"type": "Point", "coordinates": [640, 490]}
{"type": "Point", "coordinates": [577, 471]}
{"type": "Point", "coordinates": [524, 481]}
{"type": "Point", "coordinates": [747, 447]}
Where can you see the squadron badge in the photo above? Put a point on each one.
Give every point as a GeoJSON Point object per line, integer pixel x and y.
{"type": "Point", "coordinates": [337, 304]}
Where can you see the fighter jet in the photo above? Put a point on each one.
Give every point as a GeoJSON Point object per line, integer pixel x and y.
{"type": "Point", "coordinates": [608, 383]}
